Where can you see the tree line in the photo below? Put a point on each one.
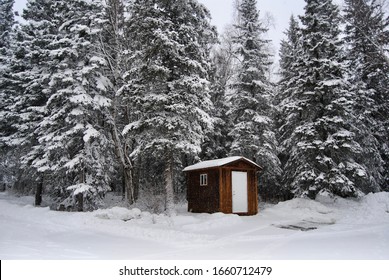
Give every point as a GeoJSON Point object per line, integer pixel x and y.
{"type": "Point", "coordinates": [120, 95]}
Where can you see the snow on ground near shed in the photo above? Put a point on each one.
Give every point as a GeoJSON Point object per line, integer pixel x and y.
{"type": "Point", "coordinates": [296, 229]}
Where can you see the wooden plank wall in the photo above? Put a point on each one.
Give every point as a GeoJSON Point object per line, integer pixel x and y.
{"type": "Point", "coordinates": [253, 192]}
{"type": "Point", "coordinates": [203, 199]}
{"type": "Point", "coordinates": [226, 192]}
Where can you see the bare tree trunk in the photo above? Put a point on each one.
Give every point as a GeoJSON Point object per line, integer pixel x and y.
{"type": "Point", "coordinates": [121, 149]}
{"type": "Point", "coordinates": [169, 188]}
{"type": "Point", "coordinates": [113, 54]}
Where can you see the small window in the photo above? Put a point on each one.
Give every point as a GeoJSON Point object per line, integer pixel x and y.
{"type": "Point", "coordinates": [203, 179]}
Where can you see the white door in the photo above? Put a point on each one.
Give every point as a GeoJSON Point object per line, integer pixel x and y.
{"type": "Point", "coordinates": [239, 192]}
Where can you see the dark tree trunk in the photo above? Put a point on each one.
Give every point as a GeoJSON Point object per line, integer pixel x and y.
{"type": "Point", "coordinates": [80, 202]}
{"type": "Point", "coordinates": [38, 193]}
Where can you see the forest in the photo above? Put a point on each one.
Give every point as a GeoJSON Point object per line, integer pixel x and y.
{"type": "Point", "coordinates": [118, 96]}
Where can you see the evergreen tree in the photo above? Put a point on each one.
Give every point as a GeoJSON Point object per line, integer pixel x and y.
{"type": "Point", "coordinates": [167, 87]}
{"type": "Point", "coordinates": [289, 51]}
{"type": "Point", "coordinates": [218, 142]}
{"type": "Point", "coordinates": [367, 35]}
{"type": "Point", "coordinates": [24, 85]}
{"type": "Point", "coordinates": [290, 56]}
{"type": "Point", "coordinates": [251, 111]}
{"type": "Point", "coordinates": [7, 23]}
{"type": "Point", "coordinates": [7, 20]}
{"type": "Point", "coordinates": [74, 150]}
{"type": "Point", "coordinates": [323, 153]}
{"type": "Point", "coordinates": [290, 60]}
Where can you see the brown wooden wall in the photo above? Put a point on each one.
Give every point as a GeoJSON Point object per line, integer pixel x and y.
{"type": "Point", "coordinates": [253, 192]}
{"type": "Point", "coordinates": [203, 199]}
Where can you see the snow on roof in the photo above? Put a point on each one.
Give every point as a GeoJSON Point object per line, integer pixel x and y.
{"type": "Point", "coordinates": [217, 163]}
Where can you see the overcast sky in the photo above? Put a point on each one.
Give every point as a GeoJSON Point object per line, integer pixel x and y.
{"type": "Point", "coordinates": [20, 4]}
{"type": "Point", "coordinates": [279, 11]}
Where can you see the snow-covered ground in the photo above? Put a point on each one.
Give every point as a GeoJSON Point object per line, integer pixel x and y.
{"type": "Point", "coordinates": [296, 229]}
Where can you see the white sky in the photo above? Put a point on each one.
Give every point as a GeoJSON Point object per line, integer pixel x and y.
{"type": "Point", "coordinates": [20, 4]}
{"type": "Point", "coordinates": [279, 10]}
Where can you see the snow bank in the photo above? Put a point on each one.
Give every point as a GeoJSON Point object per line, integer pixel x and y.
{"type": "Point", "coordinates": [303, 205]}
{"type": "Point", "coordinates": [329, 210]}
{"type": "Point", "coordinates": [377, 203]}
{"type": "Point", "coordinates": [118, 213]}
{"type": "Point", "coordinates": [370, 209]}
{"type": "Point", "coordinates": [303, 214]}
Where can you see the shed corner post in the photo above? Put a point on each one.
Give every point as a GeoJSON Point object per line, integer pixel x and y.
{"type": "Point", "coordinates": [221, 190]}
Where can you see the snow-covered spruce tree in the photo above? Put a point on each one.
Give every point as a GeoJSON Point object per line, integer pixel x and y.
{"type": "Point", "coordinates": [324, 155]}
{"type": "Point", "coordinates": [289, 51]}
{"type": "Point", "coordinates": [224, 62]}
{"type": "Point", "coordinates": [287, 117]}
{"type": "Point", "coordinates": [7, 22]}
{"type": "Point", "coordinates": [290, 55]}
{"type": "Point", "coordinates": [74, 150]}
{"type": "Point", "coordinates": [167, 87]}
{"type": "Point", "coordinates": [367, 35]}
{"type": "Point", "coordinates": [24, 83]}
{"type": "Point", "coordinates": [217, 140]}
{"type": "Point", "coordinates": [252, 132]}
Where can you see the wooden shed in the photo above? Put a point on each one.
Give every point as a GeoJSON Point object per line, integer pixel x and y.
{"type": "Point", "coordinates": [227, 185]}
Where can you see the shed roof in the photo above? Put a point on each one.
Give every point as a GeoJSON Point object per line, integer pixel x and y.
{"type": "Point", "coordinates": [218, 163]}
